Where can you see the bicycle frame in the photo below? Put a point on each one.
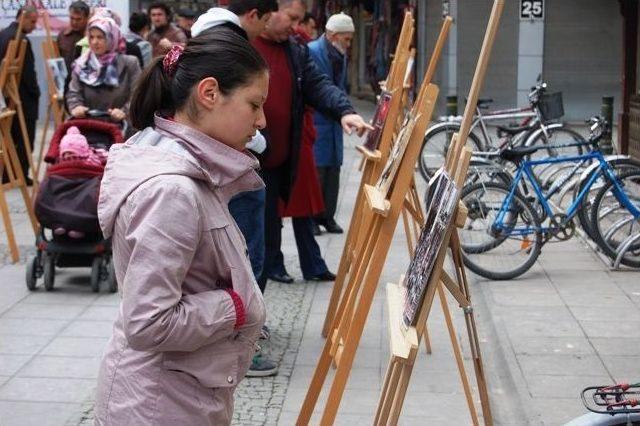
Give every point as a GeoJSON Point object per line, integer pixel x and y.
{"type": "Point", "coordinates": [525, 170]}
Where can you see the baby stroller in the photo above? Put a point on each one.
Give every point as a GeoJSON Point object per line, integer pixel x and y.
{"type": "Point", "coordinates": [67, 199]}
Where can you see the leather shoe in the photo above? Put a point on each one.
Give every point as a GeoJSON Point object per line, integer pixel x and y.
{"type": "Point", "coordinates": [325, 276]}
{"type": "Point", "coordinates": [316, 229]}
{"type": "Point", "coordinates": [332, 227]}
{"type": "Point", "coordinates": [281, 278]}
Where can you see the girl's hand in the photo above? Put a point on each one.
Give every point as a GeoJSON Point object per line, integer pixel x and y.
{"type": "Point", "coordinates": [117, 114]}
{"type": "Point", "coordinates": [80, 111]}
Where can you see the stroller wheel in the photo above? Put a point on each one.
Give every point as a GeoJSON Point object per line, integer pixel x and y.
{"type": "Point", "coordinates": [96, 273]}
{"type": "Point", "coordinates": [32, 273]}
{"type": "Point", "coordinates": [112, 284]}
{"type": "Point", "coordinates": [49, 271]}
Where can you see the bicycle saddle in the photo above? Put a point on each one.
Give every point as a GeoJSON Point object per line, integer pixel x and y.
{"type": "Point", "coordinates": [511, 130]}
{"type": "Point", "coordinates": [516, 154]}
{"type": "Point", "coordinates": [482, 102]}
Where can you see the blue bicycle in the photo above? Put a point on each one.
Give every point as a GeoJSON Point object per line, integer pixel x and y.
{"type": "Point", "coordinates": [507, 225]}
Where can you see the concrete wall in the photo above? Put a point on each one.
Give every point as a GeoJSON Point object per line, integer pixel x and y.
{"type": "Point", "coordinates": [583, 53]}
{"type": "Point", "coordinates": [501, 78]}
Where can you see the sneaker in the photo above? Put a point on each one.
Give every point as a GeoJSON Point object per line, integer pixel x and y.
{"type": "Point", "coordinates": [261, 367]}
{"type": "Point", "coordinates": [265, 333]}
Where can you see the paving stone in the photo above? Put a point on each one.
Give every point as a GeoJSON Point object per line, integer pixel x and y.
{"type": "Point", "coordinates": [31, 327]}
{"type": "Point", "coordinates": [44, 311]}
{"type": "Point", "coordinates": [46, 389]}
{"type": "Point", "coordinates": [22, 345]}
{"type": "Point", "coordinates": [550, 386]}
{"type": "Point", "coordinates": [18, 413]}
{"type": "Point", "coordinates": [61, 367]}
{"type": "Point", "coordinates": [100, 313]}
{"type": "Point", "coordinates": [76, 347]}
{"type": "Point", "coordinates": [88, 329]}
{"type": "Point", "coordinates": [562, 365]}
{"type": "Point", "coordinates": [10, 364]}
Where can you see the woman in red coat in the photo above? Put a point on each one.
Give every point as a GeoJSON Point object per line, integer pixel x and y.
{"type": "Point", "coordinates": [306, 194]}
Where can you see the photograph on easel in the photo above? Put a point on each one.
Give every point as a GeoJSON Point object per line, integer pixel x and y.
{"type": "Point", "coordinates": [440, 211]}
{"type": "Point", "coordinates": [380, 116]}
{"type": "Point", "coordinates": [59, 74]}
{"type": "Point", "coordinates": [397, 152]}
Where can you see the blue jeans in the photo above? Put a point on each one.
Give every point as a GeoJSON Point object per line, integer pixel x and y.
{"type": "Point", "coordinates": [247, 209]}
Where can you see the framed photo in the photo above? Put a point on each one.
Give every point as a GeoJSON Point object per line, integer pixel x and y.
{"type": "Point", "coordinates": [379, 118]}
{"type": "Point", "coordinates": [58, 70]}
{"type": "Point", "coordinates": [397, 152]}
{"type": "Point", "coordinates": [442, 203]}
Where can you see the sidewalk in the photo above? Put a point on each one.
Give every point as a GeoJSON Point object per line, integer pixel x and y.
{"type": "Point", "coordinates": [567, 324]}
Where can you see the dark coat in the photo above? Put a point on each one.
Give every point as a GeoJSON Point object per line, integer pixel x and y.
{"type": "Point", "coordinates": [29, 90]}
{"type": "Point", "coordinates": [313, 88]}
{"type": "Point", "coordinates": [328, 148]}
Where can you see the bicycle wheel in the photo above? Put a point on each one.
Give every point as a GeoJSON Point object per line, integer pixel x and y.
{"type": "Point", "coordinates": [613, 224]}
{"type": "Point", "coordinates": [619, 165]}
{"type": "Point", "coordinates": [481, 170]}
{"type": "Point", "coordinates": [555, 137]}
{"type": "Point", "coordinates": [435, 146]}
{"type": "Point", "coordinates": [499, 254]}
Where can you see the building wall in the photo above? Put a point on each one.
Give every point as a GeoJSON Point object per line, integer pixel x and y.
{"type": "Point", "coordinates": [501, 78]}
{"type": "Point", "coordinates": [583, 54]}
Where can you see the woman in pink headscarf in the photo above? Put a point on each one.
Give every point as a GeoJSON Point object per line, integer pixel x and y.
{"type": "Point", "coordinates": [103, 77]}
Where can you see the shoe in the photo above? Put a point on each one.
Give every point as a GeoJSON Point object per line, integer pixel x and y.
{"type": "Point", "coordinates": [316, 229]}
{"type": "Point", "coordinates": [281, 278]}
{"type": "Point", "coordinates": [261, 367]}
{"type": "Point", "coordinates": [325, 276]}
{"type": "Point", "coordinates": [265, 333]}
{"type": "Point", "coordinates": [332, 227]}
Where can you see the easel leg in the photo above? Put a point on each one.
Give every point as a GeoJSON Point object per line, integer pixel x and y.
{"type": "Point", "coordinates": [472, 331]}
{"type": "Point", "coordinates": [6, 218]}
{"type": "Point", "coordinates": [458, 355]}
{"type": "Point", "coordinates": [43, 140]}
{"type": "Point", "coordinates": [388, 392]}
{"type": "Point", "coordinates": [403, 384]}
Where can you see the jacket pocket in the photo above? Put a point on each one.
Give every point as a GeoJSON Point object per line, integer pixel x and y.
{"type": "Point", "coordinates": [214, 366]}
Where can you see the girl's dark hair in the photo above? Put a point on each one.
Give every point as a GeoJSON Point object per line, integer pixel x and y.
{"type": "Point", "coordinates": [221, 54]}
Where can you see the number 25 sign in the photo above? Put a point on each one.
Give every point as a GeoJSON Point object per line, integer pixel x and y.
{"type": "Point", "coordinates": [531, 9]}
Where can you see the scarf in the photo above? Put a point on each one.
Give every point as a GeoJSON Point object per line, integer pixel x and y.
{"type": "Point", "coordinates": [94, 70]}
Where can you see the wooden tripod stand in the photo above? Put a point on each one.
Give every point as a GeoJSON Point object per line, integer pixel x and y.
{"type": "Point", "coordinates": [405, 340]}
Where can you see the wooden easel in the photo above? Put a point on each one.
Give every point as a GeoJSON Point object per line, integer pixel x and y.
{"type": "Point", "coordinates": [405, 340]}
{"type": "Point", "coordinates": [375, 161]}
{"type": "Point", "coordinates": [10, 73]}
{"type": "Point", "coordinates": [379, 216]}
{"type": "Point", "coordinates": [394, 84]}
{"type": "Point", "coordinates": [8, 156]}
{"type": "Point", "coordinates": [55, 107]}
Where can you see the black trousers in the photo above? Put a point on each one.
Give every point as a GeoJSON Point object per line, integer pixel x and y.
{"type": "Point", "coordinates": [329, 177]}
{"type": "Point", "coordinates": [309, 255]}
{"type": "Point", "coordinates": [30, 117]}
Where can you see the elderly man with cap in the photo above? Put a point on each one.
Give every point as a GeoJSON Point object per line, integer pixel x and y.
{"type": "Point", "coordinates": [185, 19]}
{"type": "Point", "coordinates": [330, 55]}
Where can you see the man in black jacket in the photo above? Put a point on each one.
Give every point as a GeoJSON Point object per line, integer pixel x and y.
{"type": "Point", "coordinates": [294, 81]}
{"type": "Point", "coordinates": [28, 88]}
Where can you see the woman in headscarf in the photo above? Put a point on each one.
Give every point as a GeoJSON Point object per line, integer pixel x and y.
{"type": "Point", "coordinates": [103, 77]}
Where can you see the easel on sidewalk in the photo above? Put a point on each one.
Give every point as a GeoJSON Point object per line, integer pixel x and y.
{"type": "Point", "coordinates": [375, 161]}
{"type": "Point", "coordinates": [405, 340]}
{"type": "Point", "coordinates": [10, 72]}
{"type": "Point", "coordinates": [380, 213]}
{"type": "Point", "coordinates": [373, 156]}
{"type": "Point", "coordinates": [55, 107]}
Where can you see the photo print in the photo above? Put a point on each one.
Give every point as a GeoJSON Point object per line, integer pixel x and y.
{"type": "Point", "coordinates": [379, 118]}
{"type": "Point", "coordinates": [438, 219]}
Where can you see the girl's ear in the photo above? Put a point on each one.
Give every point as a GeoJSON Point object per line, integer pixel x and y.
{"type": "Point", "coordinates": [208, 92]}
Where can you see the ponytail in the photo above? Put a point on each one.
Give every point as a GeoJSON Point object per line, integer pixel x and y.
{"type": "Point", "coordinates": [152, 93]}
{"type": "Point", "coordinates": [220, 53]}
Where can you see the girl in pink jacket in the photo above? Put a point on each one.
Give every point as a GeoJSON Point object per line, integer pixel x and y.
{"type": "Point", "coordinates": [191, 311]}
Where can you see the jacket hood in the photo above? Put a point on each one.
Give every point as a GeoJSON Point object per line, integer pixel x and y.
{"type": "Point", "coordinates": [172, 149]}
{"type": "Point", "coordinates": [212, 18]}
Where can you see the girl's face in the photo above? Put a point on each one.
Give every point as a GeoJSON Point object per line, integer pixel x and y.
{"type": "Point", "coordinates": [233, 119]}
{"type": "Point", "coordinates": [97, 41]}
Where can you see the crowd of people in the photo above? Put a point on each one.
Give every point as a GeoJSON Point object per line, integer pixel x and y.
{"type": "Point", "coordinates": [238, 117]}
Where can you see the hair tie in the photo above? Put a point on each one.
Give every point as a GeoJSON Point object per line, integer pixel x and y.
{"type": "Point", "coordinates": [170, 61]}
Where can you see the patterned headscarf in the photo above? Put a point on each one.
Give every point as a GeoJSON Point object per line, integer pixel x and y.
{"type": "Point", "coordinates": [96, 70]}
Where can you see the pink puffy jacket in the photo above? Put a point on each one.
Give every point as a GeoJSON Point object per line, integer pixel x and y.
{"type": "Point", "coordinates": [191, 311]}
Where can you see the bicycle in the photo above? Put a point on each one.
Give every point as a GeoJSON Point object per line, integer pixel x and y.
{"type": "Point", "coordinates": [610, 405]}
{"type": "Point", "coordinates": [538, 125]}
{"type": "Point", "coordinates": [511, 216]}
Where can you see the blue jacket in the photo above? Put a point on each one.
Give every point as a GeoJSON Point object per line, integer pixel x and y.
{"type": "Point", "coordinates": [329, 144]}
